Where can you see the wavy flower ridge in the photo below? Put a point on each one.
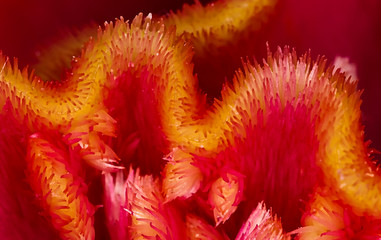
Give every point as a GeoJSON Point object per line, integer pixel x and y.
{"type": "Point", "coordinates": [285, 134]}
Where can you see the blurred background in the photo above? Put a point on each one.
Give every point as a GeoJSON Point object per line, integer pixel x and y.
{"type": "Point", "coordinates": [346, 28]}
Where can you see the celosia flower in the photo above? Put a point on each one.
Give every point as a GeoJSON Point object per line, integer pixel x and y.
{"type": "Point", "coordinates": [285, 134]}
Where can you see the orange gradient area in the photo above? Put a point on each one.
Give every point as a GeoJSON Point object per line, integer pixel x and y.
{"type": "Point", "coordinates": [285, 134]}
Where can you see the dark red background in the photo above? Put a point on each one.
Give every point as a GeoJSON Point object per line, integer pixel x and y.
{"type": "Point", "coordinates": [350, 28]}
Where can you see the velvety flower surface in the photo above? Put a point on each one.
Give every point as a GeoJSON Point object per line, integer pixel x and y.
{"type": "Point", "coordinates": [127, 146]}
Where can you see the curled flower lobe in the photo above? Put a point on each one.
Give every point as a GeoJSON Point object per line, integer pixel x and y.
{"type": "Point", "coordinates": [151, 217]}
{"type": "Point", "coordinates": [182, 179]}
{"type": "Point", "coordinates": [60, 190]}
{"type": "Point", "coordinates": [224, 196]}
{"type": "Point", "coordinates": [64, 106]}
{"type": "Point", "coordinates": [20, 216]}
{"type": "Point", "coordinates": [328, 217]}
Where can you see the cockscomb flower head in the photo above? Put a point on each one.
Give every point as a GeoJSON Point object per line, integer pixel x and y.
{"type": "Point", "coordinates": [285, 134]}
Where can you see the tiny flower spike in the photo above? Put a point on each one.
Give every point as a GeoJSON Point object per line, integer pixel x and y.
{"type": "Point", "coordinates": [138, 204]}
{"type": "Point", "coordinates": [280, 154]}
{"type": "Point", "coordinates": [116, 205]}
{"type": "Point", "coordinates": [262, 225]}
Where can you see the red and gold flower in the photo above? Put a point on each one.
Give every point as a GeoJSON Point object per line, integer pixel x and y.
{"type": "Point", "coordinates": [279, 155]}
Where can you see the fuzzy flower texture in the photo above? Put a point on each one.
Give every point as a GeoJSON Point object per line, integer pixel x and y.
{"type": "Point", "coordinates": [126, 145]}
